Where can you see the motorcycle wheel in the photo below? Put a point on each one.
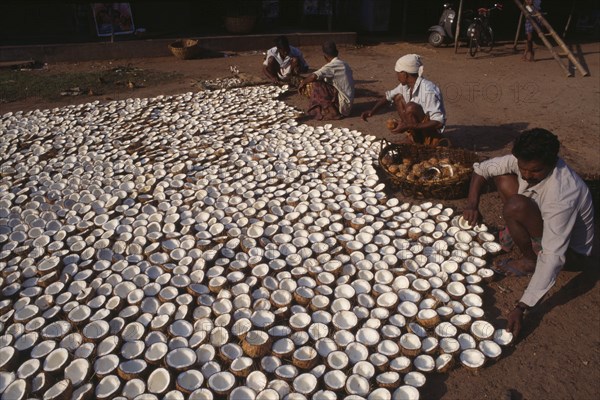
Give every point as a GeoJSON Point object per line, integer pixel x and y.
{"type": "Point", "coordinates": [436, 39]}
{"type": "Point", "coordinates": [487, 40]}
{"type": "Point", "coordinates": [473, 46]}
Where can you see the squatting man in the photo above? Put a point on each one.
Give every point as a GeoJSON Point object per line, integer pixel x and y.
{"type": "Point", "coordinates": [547, 209]}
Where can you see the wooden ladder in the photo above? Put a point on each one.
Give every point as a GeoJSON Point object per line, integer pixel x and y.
{"type": "Point", "coordinates": [536, 19]}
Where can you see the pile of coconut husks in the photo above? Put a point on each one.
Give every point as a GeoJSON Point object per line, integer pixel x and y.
{"type": "Point", "coordinates": [207, 245]}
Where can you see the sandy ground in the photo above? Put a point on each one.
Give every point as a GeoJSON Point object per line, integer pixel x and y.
{"type": "Point", "coordinates": [489, 100]}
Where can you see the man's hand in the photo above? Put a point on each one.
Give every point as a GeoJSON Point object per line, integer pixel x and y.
{"type": "Point", "coordinates": [401, 127]}
{"type": "Point", "coordinates": [515, 321]}
{"type": "Point", "coordinates": [471, 214]}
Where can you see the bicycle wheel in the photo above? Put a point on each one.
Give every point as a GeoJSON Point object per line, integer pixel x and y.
{"type": "Point", "coordinates": [473, 46]}
{"type": "Point", "coordinates": [487, 40]}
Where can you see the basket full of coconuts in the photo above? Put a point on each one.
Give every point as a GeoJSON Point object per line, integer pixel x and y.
{"type": "Point", "coordinates": [428, 172]}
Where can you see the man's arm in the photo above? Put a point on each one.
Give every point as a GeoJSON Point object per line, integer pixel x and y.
{"type": "Point", "coordinates": [471, 211]}
{"type": "Point", "coordinates": [307, 80]}
{"type": "Point", "coordinates": [559, 220]}
{"type": "Point", "coordinates": [380, 103]}
{"type": "Point", "coordinates": [430, 124]}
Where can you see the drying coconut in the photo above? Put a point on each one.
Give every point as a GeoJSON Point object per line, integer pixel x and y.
{"type": "Point", "coordinates": [159, 381]}
{"type": "Point", "coordinates": [78, 371]}
{"type": "Point", "coordinates": [62, 389]}
{"type": "Point", "coordinates": [305, 357]}
{"type": "Point", "coordinates": [482, 330]}
{"type": "Point", "coordinates": [286, 372]}
{"type": "Point", "coordinates": [17, 389]}
{"type": "Point", "coordinates": [389, 380]}
{"type": "Point", "coordinates": [180, 359]}
{"type": "Point", "coordinates": [502, 337]}
{"type": "Point", "coordinates": [108, 387]}
{"type": "Point", "coordinates": [472, 359]}
{"type": "Point", "coordinates": [256, 343]}
{"type": "Point", "coordinates": [208, 232]}
{"type": "Point", "coordinates": [410, 344]}
{"type": "Point", "coordinates": [406, 392]}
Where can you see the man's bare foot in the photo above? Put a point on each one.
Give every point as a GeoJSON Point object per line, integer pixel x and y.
{"type": "Point", "coordinates": [528, 56]}
{"type": "Point", "coordinates": [516, 267]}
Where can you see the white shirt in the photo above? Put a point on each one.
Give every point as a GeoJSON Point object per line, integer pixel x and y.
{"type": "Point", "coordinates": [566, 206]}
{"type": "Point", "coordinates": [285, 67]}
{"type": "Point", "coordinates": [339, 74]}
{"type": "Point", "coordinates": [426, 94]}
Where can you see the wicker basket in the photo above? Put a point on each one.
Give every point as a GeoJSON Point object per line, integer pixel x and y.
{"type": "Point", "coordinates": [443, 189]}
{"type": "Point", "coordinates": [185, 49]}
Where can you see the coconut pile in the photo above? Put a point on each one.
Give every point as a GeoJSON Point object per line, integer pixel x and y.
{"type": "Point", "coordinates": [206, 245]}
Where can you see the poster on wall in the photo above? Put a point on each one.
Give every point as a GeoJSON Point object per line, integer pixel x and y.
{"type": "Point", "coordinates": [113, 19]}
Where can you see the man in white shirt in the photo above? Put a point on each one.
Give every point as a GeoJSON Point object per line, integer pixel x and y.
{"type": "Point", "coordinates": [283, 62]}
{"type": "Point", "coordinates": [331, 88]}
{"type": "Point", "coordinates": [418, 101]}
{"type": "Point", "coordinates": [548, 213]}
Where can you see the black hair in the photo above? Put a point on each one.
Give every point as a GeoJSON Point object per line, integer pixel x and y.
{"type": "Point", "coordinates": [330, 49]}
{"type": "Point", "coordinates": [537, 144]}
{"type": "Point", "coordinates": [282, 42]}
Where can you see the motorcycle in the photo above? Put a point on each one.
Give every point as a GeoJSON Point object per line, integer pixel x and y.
{"type": "Point", "coordinates": [444, 31]}
{"type": "Point", "coordinates": [480, 32]}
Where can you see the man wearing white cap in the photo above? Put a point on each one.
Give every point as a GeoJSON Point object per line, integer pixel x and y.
{"type": "Point", "coordinates": [418, 101]}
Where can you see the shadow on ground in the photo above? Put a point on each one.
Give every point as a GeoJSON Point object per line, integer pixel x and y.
{"type": "Point", "coordinates": [484, 137]}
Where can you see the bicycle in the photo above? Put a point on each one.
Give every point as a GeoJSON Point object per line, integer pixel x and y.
{"type": "Point", "coordinates": [480, 32]}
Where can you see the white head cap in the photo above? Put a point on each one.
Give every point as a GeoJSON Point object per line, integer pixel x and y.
{"type": "Point", "coordinates": [410, 63]}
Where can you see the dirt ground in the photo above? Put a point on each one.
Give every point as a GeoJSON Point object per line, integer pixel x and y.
{"type": "Point", "coordinates": [489, 99]}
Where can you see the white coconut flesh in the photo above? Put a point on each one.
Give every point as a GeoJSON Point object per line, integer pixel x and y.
{"type": "Point", "coordinates": [58, 390]}
{"type": "Point", "coordinates": [408, 309]}
{"type": "Point", "coordinates": [490, 348]}
{"type": "Point", "coordinates": [17, 389]}
{"type": "Point", "coordinates": [130, 350]}
{"type": "Point", "coordinates": [472, 358]}
{"type": "Point", "coordinates": [424, 363]}
{"type": "Point", "coordinates": [106, 364]}
{"type": "Point", "coordinates": [410, 341]}
{"type": "Point", "coordinates": [305, 383]}
{"type": "Point", "coordinates": [107, 387]}
{"type": "Point", "coordinates": [305, 353]}
{"type": "Point", "coordinates": [406, 392]}
{"type": "Point", "coordinates": [257, 381]}
{"type": "Point", "coordinates": [388, 378]}
{"type": "Point", "coordinates": [270, 364]}
{"type": "Point", "coordinates": [156, 352]}
{"type": "Point", "coordinates": [181, 358]}
{"type": "Point", "coordinates": [133, 388]}
{"type": "Point", "coordinates": [77, 371]}
{"type": "Point", "coordinates": [242, 393]}
{"type": "Point", "coordinates": [56, 360]}
{"type": "Point", "coordinates": [286, 371]}
{"type": "Point", "coordinates": [158, 381]}
{"type": "Point", "coordinates": [357, 385]}
{"type": "Point", "coordinates": [6, 378]}
{"type": "Point", "coordinates": [482, 330]}
{"type": "Point", "coordinates": [337, 360]}
{"type": "Point", "coordinates": [368, 336]}
{"type": "Point", "coordinates": [502, 337]}
{"type": "Point", "coordinates": [380, 394]}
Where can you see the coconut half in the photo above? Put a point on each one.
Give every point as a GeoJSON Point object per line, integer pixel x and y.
{"type": "Point", "coordinates": [472, 359]}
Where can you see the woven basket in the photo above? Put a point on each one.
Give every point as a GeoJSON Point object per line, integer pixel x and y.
{"type": "Point", "coordinates": [443, 189]}
{"type": "Point", "coordinates": [185, 49]}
